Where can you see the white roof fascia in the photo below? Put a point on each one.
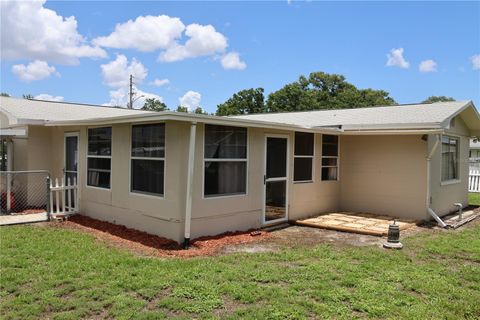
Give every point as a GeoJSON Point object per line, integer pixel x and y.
{"type": "Point", "coordinates": [177, 116]}
{"type": "Point", "coordinates": [393, 132]}
{"type": "Point", "coordinates": [13, 132]}
{"type": "Point", "coordinates": [393, 126]}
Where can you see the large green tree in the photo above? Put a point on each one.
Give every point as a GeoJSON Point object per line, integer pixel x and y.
{"type": "Point", "coordinates": [153, 104]}
{"type": "Point", "coordinates": [182, 109]}
{"type": "Point", "coordinates": [243, 102]}
{"type": "Point", "coordinates": [433, 99]}
{"type": "Point", "coordinates": [324, 91]}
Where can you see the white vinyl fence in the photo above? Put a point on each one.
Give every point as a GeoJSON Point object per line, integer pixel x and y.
{"type": "Point", "coordinates": [474, 180]}
{"type": "Point", "coordinates": [63, 197]}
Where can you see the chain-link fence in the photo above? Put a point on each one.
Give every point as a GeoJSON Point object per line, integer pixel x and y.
{"type": "Point", "coordinates": [23, 192]}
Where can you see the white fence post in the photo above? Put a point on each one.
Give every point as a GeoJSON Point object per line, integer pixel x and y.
{"type": "Point", "coordinates": [474, 180]}
{"type": "Point", "coordinates": [66, 196]}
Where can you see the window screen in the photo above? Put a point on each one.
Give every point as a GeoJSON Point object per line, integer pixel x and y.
{"type": "Point", "coordinates": [148, 159]}
{"type": "Point", "coordinates": [99, 157]}
{"type": "Point", "coordinates": [329, 157]}
{"type": "Point", "coordinates": [225, 160]}
{"type": "Point", "coordinates": [303, 157]}
{"type": "Point", "coordinates": [450, 151]}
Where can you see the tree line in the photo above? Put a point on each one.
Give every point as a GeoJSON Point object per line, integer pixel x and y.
{"type": "Point", "coordinates": [317, 91]}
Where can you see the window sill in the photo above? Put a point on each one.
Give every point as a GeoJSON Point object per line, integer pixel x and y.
{"type": "Point", "coordinates": [98, 188]}
{"type": "Point", "coordinates": [302, 182]}
{"type": "Point", "coordinates": [148, 195]}
{"type": "Point", "coordinates": [213, 197]}
{"type": "Point", "coordinates": [449, 182]}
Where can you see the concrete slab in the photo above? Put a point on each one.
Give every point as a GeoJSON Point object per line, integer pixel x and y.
{"type": "Point", "coordinates": [23, 218]}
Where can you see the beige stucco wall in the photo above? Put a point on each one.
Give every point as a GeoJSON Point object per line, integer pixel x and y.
{"type": "Point", "coordinates": [165, 216]}
{"type": "Point", "coordinates": [312, 198]}
{"type": "Point", "coordinates": [378, 174]}
{"type": "Point", "coordinates": [231, 213]}
{"type": "Point", "coordinates": [444, 195]}
{"type": "Point", "coordinates": [384, 175]}
{"type": "Point", "coordinates": [156, 215]}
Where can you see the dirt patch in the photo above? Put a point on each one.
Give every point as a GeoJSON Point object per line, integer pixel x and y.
{"type": "Point", "coordinates": [147, 244]}
{"type": "Point", "coordinates": [302, 236]}
{"type": "Point", "coordinates": [28, 211]}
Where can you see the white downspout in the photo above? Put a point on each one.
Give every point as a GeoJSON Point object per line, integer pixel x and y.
{"type": "Point", "coordinates": [429, 158]}
{"type": "Point", "coordinates": [189, 192]}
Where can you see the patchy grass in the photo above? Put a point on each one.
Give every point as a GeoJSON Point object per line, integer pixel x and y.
{"type": "Point", "coordinates": [64, 274]}
{"type": "Point", "coordinates": [474, 199]}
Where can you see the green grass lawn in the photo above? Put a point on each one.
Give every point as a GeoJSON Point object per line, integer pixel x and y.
{"type": "Point", "coordinates": [474, 198]}
{"type": "Point", "coordinates": [64, 274]}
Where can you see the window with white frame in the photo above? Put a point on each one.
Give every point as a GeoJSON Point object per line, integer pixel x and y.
{"type": "Point", "coordinates": [329, 157]}
{"type": "Point", "coordinates": [148, 159]}
{"type": "Point", "coordinates": [99, 157]}
{"type": "Point", "coordinates": [450, 151]}
{"type": "Point", "coordinates": [225, 160]}
{"type": "Point", "coordinates": [303, 157]}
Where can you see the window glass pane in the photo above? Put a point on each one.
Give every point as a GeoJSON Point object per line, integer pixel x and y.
{"type": "Point", "coordinates": [329, 162]}
{"type": "Point", "coordinates": [224, 178]}
{"type": "Point", "coordinates": [329, 145]}
{"type": "Point", "coordinates": [100, 141]}
{"type": "Point", "coordinates": [147, 176]}
{"type": "Point", "coordinates": [71, 153]}
{"type": "Point", "coordinates": [329, 174]}
{"type": "Point", "coordinates": [98, 172]}
{"type": "Point", "coordinates": [275, 200]}
{"type": "Point", "coordinates": [224, 142]}
{"type": "Point", "coordinates": [302, 170]}
{"type": "Point", "coordinates": [327, 138]}
{"type": "Point", "coordinates": [276, 157]}
{"type": "Point", "coordinates": [449, 158]}
{"type": "Point", "coordinates": [148, 140]}
{"type": "Point", "coordinates": [303, 144]}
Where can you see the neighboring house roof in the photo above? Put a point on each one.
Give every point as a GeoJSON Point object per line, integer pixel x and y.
{"type": "Point", "coordinates": [474, 144]}
{"type": "Point", "coordinates": [432, 117]}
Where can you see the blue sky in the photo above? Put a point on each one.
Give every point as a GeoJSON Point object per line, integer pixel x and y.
{"type": "Point", "coordinates": [268, 44]}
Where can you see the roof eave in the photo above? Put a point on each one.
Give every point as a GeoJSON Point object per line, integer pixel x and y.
{"type": "Point", "coordinates": [188, 117]}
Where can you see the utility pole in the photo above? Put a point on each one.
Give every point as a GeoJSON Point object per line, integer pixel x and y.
{"type": "Point", "coordinates": [130, 93]}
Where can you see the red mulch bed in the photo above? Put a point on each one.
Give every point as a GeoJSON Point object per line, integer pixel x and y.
{"type": "Point", "coordinates": [148, 244]}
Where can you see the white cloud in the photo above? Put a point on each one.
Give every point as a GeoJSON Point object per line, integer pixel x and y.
{"type": "Point", "coordinates": [36, 70]}
{"type": "Point", "coordinates": [159, 82]}
{"type": "Point", "coordinates": [428, 66]}
{"type": "Point", "coordinates": [30, 31]}
{"type": "Point", "coordinates": [191, 100]}
{"type": "Point", "coordinates": [146, 33]}
{"type": "Point", "coordinates": [117, 72]}
{"type": "Point", "coordinates": [232, 61]}
{"type": "Point", "coordinates": [204, 41]}
{"type": "Point", "coordinates": [175, 41]}
{"type": "Point", "coordinates": [120, 97]}
{"type": "Point", "coordinates": [475, 62]}
{"type": "Point", "coordinates": [396, 59]}
{"type": "Point", "coordinates": [47, 97]}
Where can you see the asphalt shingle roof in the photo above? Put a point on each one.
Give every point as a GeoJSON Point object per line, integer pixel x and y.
{"type": "Point", "coordinates": [60, 111]}
{"type": "Point", "coordinates": [414, 114]}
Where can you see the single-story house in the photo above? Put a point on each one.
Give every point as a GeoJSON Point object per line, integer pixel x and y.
{"type": "Point", "coordinates": [182, 175]}
{"type": "Point", "coordinates": [474, 150]}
